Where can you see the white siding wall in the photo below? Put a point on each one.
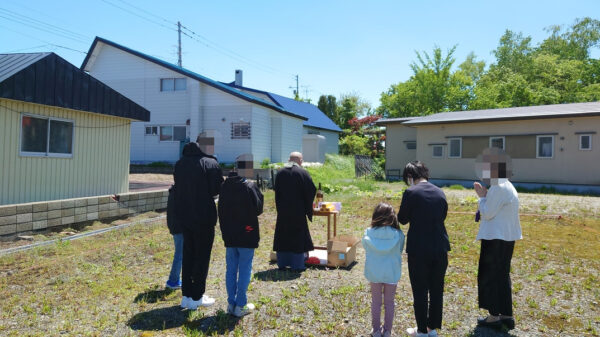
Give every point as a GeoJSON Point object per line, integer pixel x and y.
{"type": "Point", "coordinates": [261, 134]}
{"type": "Point", "coordinates": [291, 136]}
{"type": "Point", "coordinates": [276, 138]}
{"type": "Point", "coordinates": [139, 80]}
{"type": "Point", "coordinates": [332, 138]}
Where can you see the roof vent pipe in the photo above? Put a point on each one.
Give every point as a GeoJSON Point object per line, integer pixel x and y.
{"type": "Point", "coordinates": [238, 77]}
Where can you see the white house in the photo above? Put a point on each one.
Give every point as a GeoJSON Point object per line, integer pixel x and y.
{"type": "Point", "coordinates": [185, 104]}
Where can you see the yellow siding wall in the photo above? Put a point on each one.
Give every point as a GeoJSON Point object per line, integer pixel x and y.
{"type": "Point", "coordinates": [99, 166]}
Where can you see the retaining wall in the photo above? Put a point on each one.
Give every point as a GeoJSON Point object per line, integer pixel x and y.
{"type": "Point", "coordinates": [20, 218]}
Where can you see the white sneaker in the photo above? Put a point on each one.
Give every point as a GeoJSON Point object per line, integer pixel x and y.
{"type": "Point", "coordinates": [414, 332]}
{"type": "Point", "coordinates": [205, 301]}
{"type": "Point", "coordinates": [185, 301]}
{"type": "Point", "coordinates": [230, 308]}
{"type": "Point", "coordinates": [432, 333]}
{"type": "Point", "coordinates": [243, 311]}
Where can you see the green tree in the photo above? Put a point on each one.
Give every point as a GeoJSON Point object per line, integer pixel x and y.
{"type": "Point", "coordinates": [328, 104]}
{"type": "Point", "coordinates": [350, 106]}
{"type": "Point", "coordinates": [354, 144]}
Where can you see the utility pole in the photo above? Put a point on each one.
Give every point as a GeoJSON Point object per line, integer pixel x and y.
{"type": "Point", "coordinates": [179, 45]}
{"type": "Point", "coordinates": [296, 92]}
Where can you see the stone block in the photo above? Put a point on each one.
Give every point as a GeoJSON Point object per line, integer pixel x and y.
{"type": "Point", "coordinates": [149, 208]}
{"type": "Point", "coordinates": [123, 211]}
{"type": "Point", "coordinates": [124, 197]}
{"type": "Point", "coordinates": [22, 218]}
{"type": "Point", "coordinates": [53, 205]}
{"type": "Point", "coordinates": [104, 200]}
{"type": "Point", "coordinates": [68, 220]}
{"type": "Point", "coordinates": [132, 203]}
{"type": "Point", "coordinates": [164, 199]}
{"type": "Point", "coordinates": [134, 196]}
{"type": "Point", "coordinates": [40, 216]}
{"type": "Point", "coordinates": [57, 213]}
{"type": "Point", "coordinates": [67, 212]}
{"type": "Point", "coordinates": [8, 220]}
{"type": "Point", "coordinates": [103, 214]}
{"type": "Point", "coordinates": [92, 201]}
{"type": "Point", "coordinates": [92, 216]}
{"type": "Point", "coordinates": [80, 210]}
{"type": "Point", "coordinates": [24, 227]}
{"type": "Point", "coordinates": [8, 229]}
{"type": "Point", "coordinates": [40, 224]}
{"type": "Point", "coordinates": [113, 205]}
{"type": "Point", "coordinates": [103, 207]}
{"type": "Point", "coordinates": [24, 208]}
{"type": "Point", "coordinates": [40, 207]}
{"type": "Point", "coordinates": [54, 222]}
{"type": "Point", "coordinates": [131, 210]}
{"type": "Point", "coordinates": [142, 202]}
{"type": "Point", "coordinates": [80, 217]}
{"type": "Point", "coordinates": [92, 208]}
{"type": "Point", "coordinates": [113, 213]}
{"type": "Point", "coordinates": [80, 202]}
{"type": "Point", "coordinates": [8, 210]}
{"type": "Point", "coordinates": [67, 203]}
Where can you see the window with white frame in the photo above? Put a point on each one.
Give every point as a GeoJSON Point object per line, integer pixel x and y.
{"type": "Point", "coordinates": [151, 130]}
{"type": "Point", "coordinates": [544, 147]}
{"type": "Point", "coordinates": [455, 150]}
{"type": "Point", "coordinates": [411, 145]}
{"type": "Point", "coordinates": [240, 131]}
{"type": "Point", "coordinates": [498, 142]}
{"type": "Point", "coordinates": [585, 142]}
{"type": "Point", "coordinates": [46, 136]}
{"type": "Point", "coordinates": [172, 84]}
{"type": "Point", "coordinates": [172, 133]}
{"type": "Point", "coordinates": [437, 151]}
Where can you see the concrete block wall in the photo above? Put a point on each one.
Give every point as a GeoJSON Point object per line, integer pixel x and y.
{"type": "Point", "coordinates": [22, 218]}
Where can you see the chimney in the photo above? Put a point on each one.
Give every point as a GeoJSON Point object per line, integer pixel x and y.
{"type": "Point", "coordinates": [238, 77]}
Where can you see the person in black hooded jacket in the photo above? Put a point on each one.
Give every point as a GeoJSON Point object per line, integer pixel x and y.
{"type": "Point", "coordinates": [240, 204]}
{"type": "Point", "coordinates": [198, 178]}
{"type": "Point", "coordinates": [174, 282]}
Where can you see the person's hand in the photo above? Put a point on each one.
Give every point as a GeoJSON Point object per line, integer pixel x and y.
{"type": "Point", "coordinates": [480, 190]}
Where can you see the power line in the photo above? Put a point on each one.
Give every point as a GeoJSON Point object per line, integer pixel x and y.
{"type": "Point", "coordinates": [25, 23]}
{"type": "Point", "coordinates": [22, 49]}
{"type": "Point", "coordinates": [139, 16]}
{"type": "Point", "coordinates": [46, 42]}
{"type": "Point", "coordinates": [145, 11]}
{"type": "Point", "coordinates": [72, 33]}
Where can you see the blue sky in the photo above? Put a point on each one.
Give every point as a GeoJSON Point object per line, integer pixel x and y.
{"type": "Point", "coordinates": [335, 47]}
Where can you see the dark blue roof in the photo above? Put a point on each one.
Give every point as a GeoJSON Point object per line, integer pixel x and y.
{"type": "Point", "coordinates": [316, 117]}
{"type": "Point", "coordinates": [190, 74]}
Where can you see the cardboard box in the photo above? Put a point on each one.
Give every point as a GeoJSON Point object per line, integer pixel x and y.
{"type": "Point", "coordinates": [341, 250]}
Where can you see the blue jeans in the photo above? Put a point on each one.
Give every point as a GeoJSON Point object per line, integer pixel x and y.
{"type": "Point", "coordinates": [177, 256]}
{"type": "Point", "coordinates": [292, 260]}
{"type": "Point", "coordinates": [238, 274]}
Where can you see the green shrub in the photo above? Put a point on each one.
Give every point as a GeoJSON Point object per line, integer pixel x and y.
{"type": "Point", "coordinates": [160, 164]}
{"type": "Point", "coordinates": [456, 187]}
{"type": "Point", "coordinates": [265, 163]}
{"type": "Point", "coordinates": [354, 144]}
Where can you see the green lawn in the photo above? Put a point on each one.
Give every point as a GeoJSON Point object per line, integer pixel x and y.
{"type": "Point", "coordinates": [112, 284]}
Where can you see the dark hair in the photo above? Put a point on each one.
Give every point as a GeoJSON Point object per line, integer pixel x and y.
{"type": "Point", "coordinates": [416, 170]}
{"type": "Point", "coordinates": [384, 215]}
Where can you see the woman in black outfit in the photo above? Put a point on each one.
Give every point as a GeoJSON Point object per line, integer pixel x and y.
{"type": "Point", "coordinates": [424, 206]}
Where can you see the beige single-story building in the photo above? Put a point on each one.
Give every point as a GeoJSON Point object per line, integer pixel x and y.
{"type": "Point", "coordinates": [549, 145]}
{"type": "Point", "coordinates": [63, 133]}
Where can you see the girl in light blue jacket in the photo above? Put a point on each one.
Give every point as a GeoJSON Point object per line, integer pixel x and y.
{"type": "Point", "coordinates": [383, 243]}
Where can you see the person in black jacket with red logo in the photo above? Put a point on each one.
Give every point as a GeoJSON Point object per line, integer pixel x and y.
{"type": "Point", "coordinates": [198, 178]}
{"type": "Point", "coordinates": [240, 204]}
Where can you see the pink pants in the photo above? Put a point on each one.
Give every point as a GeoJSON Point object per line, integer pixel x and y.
{"type": "Point", "coordinates": [388, 291]}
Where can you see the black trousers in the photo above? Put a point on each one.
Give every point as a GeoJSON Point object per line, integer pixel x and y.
{"type": "Point", "coordinates": [493, 279]}
{"type": "Point", "coordinates": [197, 246]}
{"type": "Point", "coordinates": [427, 272]}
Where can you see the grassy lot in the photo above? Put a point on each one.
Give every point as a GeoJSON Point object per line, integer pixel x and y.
{"type": "Point", "coordinates": [112, 284]}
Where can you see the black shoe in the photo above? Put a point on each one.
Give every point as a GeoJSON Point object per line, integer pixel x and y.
{"type": "Point", "coordinates": [495, 324]}
{"type": "Point", "coordinates": [508, 322]}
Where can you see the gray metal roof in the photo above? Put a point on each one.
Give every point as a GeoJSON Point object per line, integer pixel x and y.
{"type": "Point", "coordinates": [394, 120]}
{"type": "Point", "coordinates": [526, 112]}
{"type": "Point", "coordinates": [11, 64]}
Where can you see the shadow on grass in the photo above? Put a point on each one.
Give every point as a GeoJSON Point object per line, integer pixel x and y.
{"type": "Point", "coordinates": [480, 331]}
{"type": "Point", "coordinates": [276, 275]}
{"type": "Point", "coordinates": [174, 317]}
{"type": "Point", "coordinates": [153, 295]}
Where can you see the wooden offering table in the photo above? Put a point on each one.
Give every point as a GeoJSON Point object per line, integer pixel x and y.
{"type": "Point", "coordinates": [328, 214]}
